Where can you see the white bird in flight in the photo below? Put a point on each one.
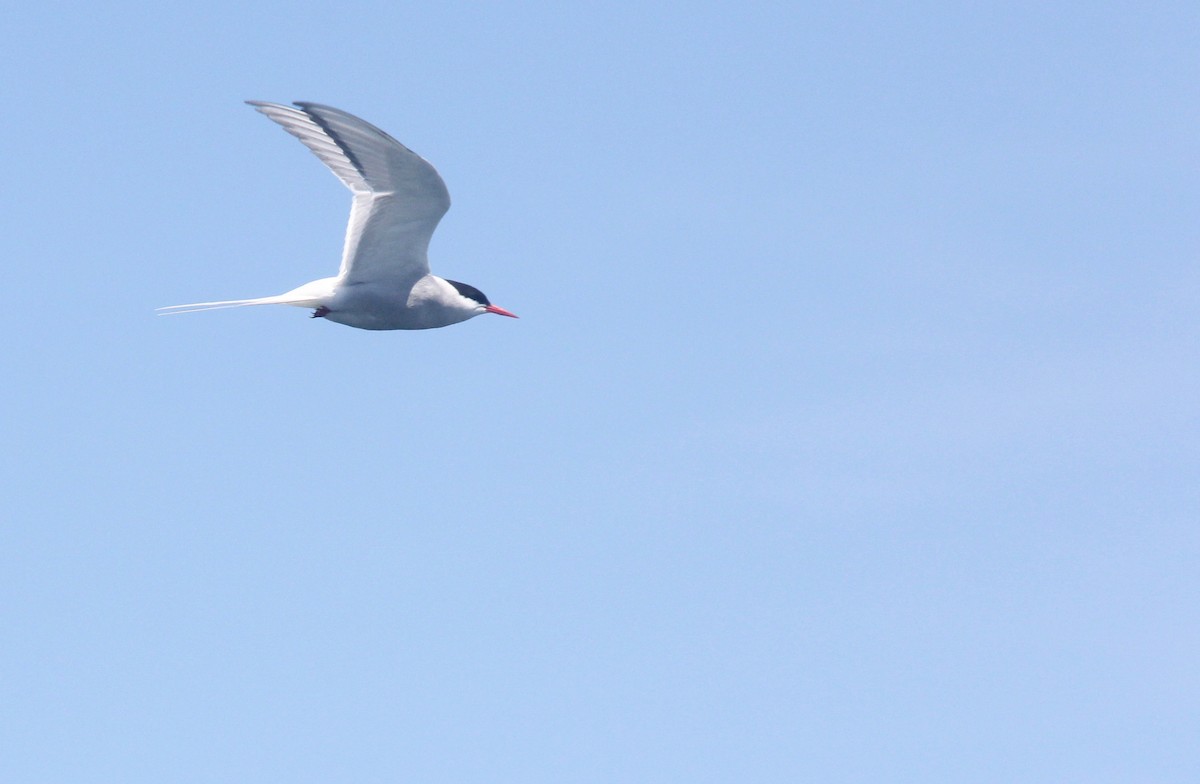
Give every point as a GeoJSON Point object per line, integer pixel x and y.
{"type": "Point", "coordinates": [384, 281]}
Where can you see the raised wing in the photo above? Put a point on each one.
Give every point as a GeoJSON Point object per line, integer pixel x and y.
{"type": "Point", "coordinates": [398, 196]}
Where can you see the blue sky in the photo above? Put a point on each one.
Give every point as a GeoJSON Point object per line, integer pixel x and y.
{"type": "Point", "coordinates": [849, 432]}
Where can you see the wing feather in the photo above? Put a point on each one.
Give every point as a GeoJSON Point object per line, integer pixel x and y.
{"type": "Point", "coordinates": [399, 197]}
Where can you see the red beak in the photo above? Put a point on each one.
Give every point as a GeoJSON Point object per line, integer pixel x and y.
{"type": "Point", "coordinates": [499, 311]}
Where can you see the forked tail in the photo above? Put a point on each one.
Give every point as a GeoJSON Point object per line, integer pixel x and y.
{"type": "Point", "coordinates": [194, 307]}
{"type": "Point", "coordinates": [310, 295]}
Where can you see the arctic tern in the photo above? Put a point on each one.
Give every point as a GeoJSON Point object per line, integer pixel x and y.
{"type": "Point", "coordinates": [384, 281]}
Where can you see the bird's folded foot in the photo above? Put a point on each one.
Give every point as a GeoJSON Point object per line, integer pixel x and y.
{"type": "Point", "coordinates": [320, 312]}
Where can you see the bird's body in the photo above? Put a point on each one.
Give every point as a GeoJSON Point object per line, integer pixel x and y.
{"type": "Point", "coordinates": [384, 281]}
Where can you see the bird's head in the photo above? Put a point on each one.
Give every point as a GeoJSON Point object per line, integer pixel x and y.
{"type": "Point", "coordinates": [479, 300]}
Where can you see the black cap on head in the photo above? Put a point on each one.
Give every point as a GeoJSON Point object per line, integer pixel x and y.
{"type": "Point", "coordinates": [470, 292]}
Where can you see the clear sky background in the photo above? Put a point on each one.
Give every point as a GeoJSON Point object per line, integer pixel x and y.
{"type": "Point", "coordinates": [850, 432]}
